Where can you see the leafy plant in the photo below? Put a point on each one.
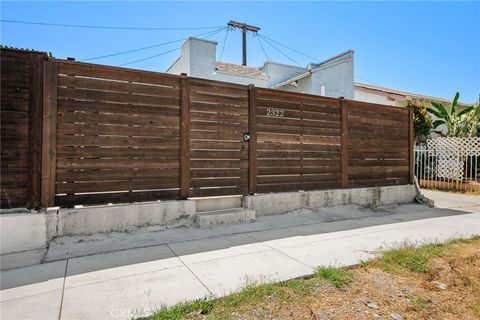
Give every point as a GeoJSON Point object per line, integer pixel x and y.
{"type": "Point", "coordinates": [459, 123]}
{"type": "Point", "coordinates": [472, 121]}
{"type": "Point", "coordinates": [422, 123]}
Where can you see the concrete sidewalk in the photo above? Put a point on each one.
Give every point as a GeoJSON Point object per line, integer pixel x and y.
{"type": "Point", "coordinates": [130, 275]}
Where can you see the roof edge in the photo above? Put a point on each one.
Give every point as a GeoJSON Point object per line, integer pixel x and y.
{"type": "Point", "coordinates": [406, 93]}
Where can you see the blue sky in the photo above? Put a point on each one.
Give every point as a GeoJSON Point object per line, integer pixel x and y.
{"type": "Point", "coordinates": [430, 48]}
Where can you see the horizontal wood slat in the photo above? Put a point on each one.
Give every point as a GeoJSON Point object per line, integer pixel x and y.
{"type": "Point", "coordinates": [219, 118]}
{"type": "Point", "coordinates": [118, 130]}
{"type": "Point", "coordinates": [21, 86]}
{"type": "Point", "coordinates": [378, 145]}
{"type": "Point", "coordinates": [117, 135]}
{"type": "Point", "coordinates": [298, 142]}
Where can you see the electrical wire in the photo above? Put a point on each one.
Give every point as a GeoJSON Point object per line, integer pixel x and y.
{"type": "Point", "coordinates": [133, 50]}
{"type": "Point", "coordinates": [285, 46]}
{"type": "Point", "coordinates": [308, 56]}
{"type": "Point", "coordinates": [148, 47]}
{"type": "Point", "coordinates": [274, 47]}
{"type": "Point", "coordinates": [154, 56]}
{"type": "Point", "coordinates": [224, 42]}
{"type": "Point", "coordinates": [163, 53]}
{"type": "Point", "coordinates": [263, 49]}
{"type": "Point", "coordinates": [364, 79]}
{"type": "Point", "coordinates": [104, 27]}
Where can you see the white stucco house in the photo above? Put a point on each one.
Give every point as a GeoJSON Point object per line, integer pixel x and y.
{"type": "Point", "coordinates": [392, 97]}
{"type": "Point", "coordinates": [332, 77]}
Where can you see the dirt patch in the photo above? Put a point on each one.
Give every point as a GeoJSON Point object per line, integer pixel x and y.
{"type": "Point", "coordinates": [436, 281]}
{"type": "Point", "coordinates": [450, 289]}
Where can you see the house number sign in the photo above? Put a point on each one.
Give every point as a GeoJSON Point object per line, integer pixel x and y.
{"type": "Point", "coordinates": [274, 112]}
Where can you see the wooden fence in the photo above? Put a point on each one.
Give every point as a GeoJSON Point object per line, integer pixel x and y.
{"type": "Point", "coordinates": [76, 133]}
{"type": "Point", "coordinates": [21, 128]}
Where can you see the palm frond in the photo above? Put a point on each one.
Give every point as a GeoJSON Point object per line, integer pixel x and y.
{"type": "Point", "coordinates": [435, 112]}
{"type": "Point", "coordinates": [441, 110]}
{"type": "Point", "coordinates": [453, 107]}
{"type": "Point", "coordinates": [465, 111]}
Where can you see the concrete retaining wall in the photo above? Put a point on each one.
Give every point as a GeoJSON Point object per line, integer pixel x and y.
{"type": "Point", "coordinates": [276, 203]}
{"type": "Point", "coordinates": [22, 232]}
{"type": "Point", "coordinates": [124, 217]}
{"type": "Point", "coordinates": [217, 203]}
{"type": "Point", "coordinates": [24, 236]}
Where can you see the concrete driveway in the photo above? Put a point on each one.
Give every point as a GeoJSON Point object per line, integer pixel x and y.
{"type": "Point", "coordinates": [125, 275]}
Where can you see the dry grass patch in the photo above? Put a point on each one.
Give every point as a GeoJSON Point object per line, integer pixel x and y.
{"type": "Point", "coordinates": [435, 281]}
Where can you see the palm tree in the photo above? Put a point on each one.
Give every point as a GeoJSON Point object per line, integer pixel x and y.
{"type": "Point", "coordinates": [455, 121]}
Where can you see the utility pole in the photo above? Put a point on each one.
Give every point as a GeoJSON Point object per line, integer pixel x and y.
{"type": "Point", "coordinates": [244, 27]}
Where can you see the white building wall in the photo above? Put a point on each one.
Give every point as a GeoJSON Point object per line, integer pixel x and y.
{"type": "Point", "coordinates": [279, 72]}
{"type": "Point", "coordinates": [366, 95]}
{"type": "Point", "coordinates": [331, 78]}
{"type": "Point", "coordinates": [335, 75]}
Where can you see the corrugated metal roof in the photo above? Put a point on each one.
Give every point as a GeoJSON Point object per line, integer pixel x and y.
{"type": "Point", "coordinates": [241, 70]}
{"type": "Point", "coordinates": [24, 50]}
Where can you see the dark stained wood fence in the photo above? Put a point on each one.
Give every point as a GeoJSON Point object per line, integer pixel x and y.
{"type": "Point", "coordinates": [21, 127]}
{"type": "Point", "coordinates": [298, 141]}
{"type": "Point", "coordinates": [218, 152]}
{"type": "Point", "coordinates": [378, 145]}
{"type": "Point", "coordinates": [91, 134]}
{"type": "Point", "coordinates": [117, 135]}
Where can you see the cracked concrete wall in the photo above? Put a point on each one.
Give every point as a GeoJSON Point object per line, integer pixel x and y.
{"type": "Point", "coordinates": [277, 203]}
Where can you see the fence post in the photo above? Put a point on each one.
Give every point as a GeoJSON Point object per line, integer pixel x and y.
{"type": "Point", "coordinates": [184, 137]}
{"type": "Point", "coordinates": [49, 136]}
{"type": "Point", "coordinates": [34, 176]}
{"type": "Point", "coordinates": [252, 148]}
{"type": "Point", "coordinates": [344, 143]}
{"type": "Point", "coordinates": [411, 145]}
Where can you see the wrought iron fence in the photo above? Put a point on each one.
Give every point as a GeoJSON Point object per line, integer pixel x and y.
{"type": "Point", "coordinates": [447, 168]}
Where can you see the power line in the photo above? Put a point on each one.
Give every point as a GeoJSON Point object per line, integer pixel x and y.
{"type": "Point", "coordinates": [148, 47]}
{"type": "Point", "coordinates": [163, 53]}
{"type": "Point", "coordinates": [285, 46]}
{"type": "Point", "coordinates": [104, 27]}
{"type": "Point", "coordinates": [154, 56]}
{"type": "Point", "coordinates": [263, 49]}
{"type": "Point", "coordinates": [306, 55]}
{"type": "Point", "coordinates": [274, 47]}
{"type": "Point", "coordinates": [364, 79]}
{"type": "Point", "coordinates": [133, 50]}
{"type": "Point", "coordinates": [224, 42]}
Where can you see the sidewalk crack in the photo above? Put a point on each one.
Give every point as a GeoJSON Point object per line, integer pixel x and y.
{"type": "Point", "coordinates": [63, 290]}
{"type": "Point", "coordinates": [278, 250]}
{"type": "Point", "coordinates": [203, 284]}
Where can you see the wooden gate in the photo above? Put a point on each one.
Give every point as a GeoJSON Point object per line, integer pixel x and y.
{"type": "Point", "coordinates": [218, 151]}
